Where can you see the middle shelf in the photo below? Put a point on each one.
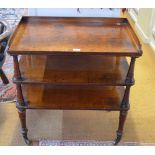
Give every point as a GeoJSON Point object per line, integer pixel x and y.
{"type": "Point", "coordinates": [73, 70]}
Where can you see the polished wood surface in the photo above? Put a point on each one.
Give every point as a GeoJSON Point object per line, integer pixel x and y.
{"type": "Point", "coordinates": [74, 64]}
{"type": "Point", "coordinates": [73, 70]}
{"type": "Point", "coordinates": [55, 35]}
{"type": "Point", "coordinates": [73, 98]}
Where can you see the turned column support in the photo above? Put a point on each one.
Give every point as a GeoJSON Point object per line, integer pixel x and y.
{"type": "Point", "coordinates": [130, 74]}
{"type": "Point", "coordinates": [119, 132]}
{"type": "Point", "coordinates": [123, 114]}
{"type": "Point", "coordinates": [20, 98]}
{"type": "Point", "coordinates": [125, 101]}
{"type": "Point", "coordinates": [22, 116]}
{"type": "Point", "coordinates": [17, 73]}
{"type": "Point", "coordinates": [20, 101]}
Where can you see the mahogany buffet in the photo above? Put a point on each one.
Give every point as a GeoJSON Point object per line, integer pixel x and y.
{"type": "Point", "coordinates": [73, 64]}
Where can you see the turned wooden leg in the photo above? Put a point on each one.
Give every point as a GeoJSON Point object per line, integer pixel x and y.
{"type": "Point", "coordinates": [119, 132]}
{"type": "Point", "coordinates": [20, 101]}
{"type": "Point", "coordinates": [22, 116]}
{"type": "Point", "coordinates": [130, 74]}
{"type": "Point", "coordinates": [3, 77]}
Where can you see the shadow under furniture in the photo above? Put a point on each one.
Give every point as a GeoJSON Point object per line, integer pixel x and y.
{"type": "Point", "coordinates": [74, 64]}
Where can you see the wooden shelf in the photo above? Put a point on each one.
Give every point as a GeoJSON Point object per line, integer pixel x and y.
{"type": "Point", "coordinates": [73, 98]}
{"type": "Point", "coordinates": [73, 70]}
{"type": "Point", "coordinates": [55, 35]}
{"type": "Point", "coordinates": [69, 63]}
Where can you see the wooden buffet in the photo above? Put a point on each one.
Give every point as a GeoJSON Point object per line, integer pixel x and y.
{"type": "Point", "coordinates": [73, 63]}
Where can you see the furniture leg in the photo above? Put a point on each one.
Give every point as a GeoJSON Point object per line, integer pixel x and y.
{"type": "Point", "coordinates": [22, 113]}
{"type": "Point", "coordinates": [123, 114]}
{"type": "Point", "coordinates": [20, 102]}
{"type": "Point", "coordinates": [119, 132]}
{"type": "Point", "coordinates": [17, 74]}
{"type": "Point", "coordinates": [130, 74]}
{"type": "Point", "coordinates": [22, 116]}
{"type": "Point", "coordinates": [3, 77]}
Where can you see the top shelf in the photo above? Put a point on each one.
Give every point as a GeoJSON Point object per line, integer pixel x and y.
{"type": "Point", "coordinates": [68, 35]}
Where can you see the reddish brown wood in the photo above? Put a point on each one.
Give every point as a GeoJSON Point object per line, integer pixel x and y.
{"type": "Point", "coordinates": [130, 74]}
{"type": "Point", "coordinates": [73, 97]}
{"type": "Point", "coordinates": [122, 118]}
{"type": "Point", "coordinates": [74, 63]}
{"type": "Point", "coordinates": [60, 35]}
{"type": "Point", "coordinates": [20, 98]}
{"type": "Point", "coordinates": [123, 114]}
{"type": "Point", "coordinates": [125, 101]}
{"type": "Point", "coordinates": [17, 74]}
{"type": "Point", "coordinates": [73, 70]}
{"type": "Point", "coordinates": [22, 116]}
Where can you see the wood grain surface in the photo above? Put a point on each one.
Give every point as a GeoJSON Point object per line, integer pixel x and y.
{"type": "Point", "coordinates": [73, 70]}
{"type": "Point", "coordinates": [72, 98]}
{"type": "Point", "coordinates": [53, 35]}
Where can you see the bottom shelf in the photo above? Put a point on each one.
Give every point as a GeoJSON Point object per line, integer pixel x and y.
{"type": "Point", "coordinates": [73, 97]}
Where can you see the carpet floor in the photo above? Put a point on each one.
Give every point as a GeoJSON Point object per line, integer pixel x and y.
{"type": "Point", "coordinates": [74, 126]}
{"type": "Point", "coordinates": [91, 125]}
{"type": "Point", "coordinates": [7, 92]}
